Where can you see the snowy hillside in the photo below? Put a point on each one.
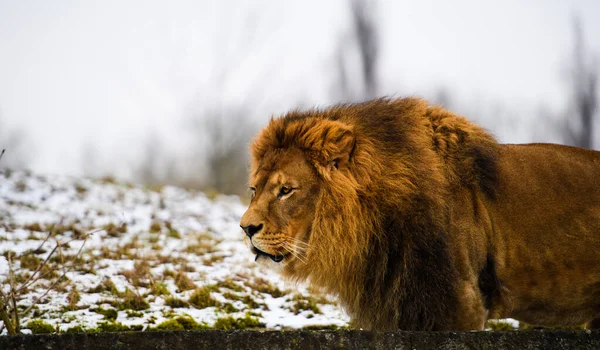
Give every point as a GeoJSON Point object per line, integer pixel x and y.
{"type": "Point", "coordinates": [149, 257]}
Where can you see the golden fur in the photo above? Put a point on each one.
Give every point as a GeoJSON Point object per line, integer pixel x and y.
{"type": "Point", "coordinates": [419, 220]}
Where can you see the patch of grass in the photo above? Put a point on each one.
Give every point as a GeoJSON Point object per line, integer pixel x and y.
{"type": "Point", "coordinates": [231, 296]}
{"type": "Point", "coordinates": [230, 284]}
{"type": "Point", "coordinates": [114, 230]}
{"type": "Point", "coordinates": [264, 286]}
{"type": "Point", "coordinates": [80, 189]}
{"type": "Point", "coordinates": [183, 282]}
{"type": "Point", "coordinates": [167, 273]}
{"type": "Point", "coordinates": [109, 314]}
{"type": "Point", "coordinates": [173, 233]}
{"type": "Point", "coordinates": [205, 243]}
{"type": "Point", "coordinates": [106, 285]}
{"type": "Point", "coordinates": [30, 262]}
{"type": "Point", "coordinates": [159, 288]}
{"type": "Point", "coordinates": [212, 259]}
{"type": "Point", "coordinates": [108, 180]}
{"type": "Point", "coordinates": [38, 326]}
{"type": "Point", "coordinates": [155, 227]}
{"type": "Point", "coordinates": [253, 304]}
{"type": "Point", "coordinates": [227, 323]}
{"type": "Point", "coordinates": [34, 227]}
{"type": "Point", "coordinates": [175, 302]}
{"type": "Point", "coordinates": [72, 299]}
{"type": "Point", "coordinates": [133, 301]}
{"type": "Point", "coordinates": [201, 298]}
{"type": "Point", "coordinates": [304, 303]}
{"type": "Point", "coordinates": [141, 271]}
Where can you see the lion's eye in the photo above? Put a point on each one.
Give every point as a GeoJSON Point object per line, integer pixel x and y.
{"type": "Point", "coordinates": [252, 192]}
{"type": "Point", "coordinates": [285, 190]}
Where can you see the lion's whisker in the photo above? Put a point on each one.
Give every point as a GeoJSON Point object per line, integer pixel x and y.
{"type": "Point", "coordinates": [298, 248]}
{"type": "Point", "coordinates": [298, 241]}
{"type": "Point", "coordinates": [294, 252]}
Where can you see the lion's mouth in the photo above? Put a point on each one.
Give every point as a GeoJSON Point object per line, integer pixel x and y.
{"type": "Point", "coordinates": [259, 253]}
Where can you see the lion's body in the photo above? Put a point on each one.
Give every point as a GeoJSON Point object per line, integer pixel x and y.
{"type": "Point", "coordinates": [419, 220]}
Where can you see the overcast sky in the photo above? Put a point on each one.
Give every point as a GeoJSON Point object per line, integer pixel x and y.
{"type": "Point", "coordinates": [77, 75]}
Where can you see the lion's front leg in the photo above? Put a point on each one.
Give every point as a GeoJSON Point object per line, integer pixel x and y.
{"type": "Point", "coordinates": [470, 313]}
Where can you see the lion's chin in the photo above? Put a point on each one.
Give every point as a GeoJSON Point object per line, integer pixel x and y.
{"type": "Point", "coordinates": [259, 253]}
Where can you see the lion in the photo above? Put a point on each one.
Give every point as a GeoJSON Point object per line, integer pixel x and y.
{"type": "Point", "coordinates": [418, 219]}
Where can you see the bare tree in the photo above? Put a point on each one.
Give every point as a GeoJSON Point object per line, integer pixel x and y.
{"type": "Point", "coordinates": [360, 42]}
{"type": "Point", "coordinates": [582, 77]}
{"type": "Point", "coordinates": [222, 130]}
{"type": "Point", "coordinates": [225, 134]}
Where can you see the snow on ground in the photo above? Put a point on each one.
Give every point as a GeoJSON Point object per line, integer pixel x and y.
{"type": "Point", "coordinates": [150, 255]}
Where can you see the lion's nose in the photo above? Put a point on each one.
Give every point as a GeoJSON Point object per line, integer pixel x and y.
{"type": "Point", "coordinates": [252, 229]}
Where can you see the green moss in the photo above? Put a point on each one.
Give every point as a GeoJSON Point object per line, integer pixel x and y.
{"type": "Point", "coordinates": [253, 304]}
{"type": "Point", "coordinates": [317, 327]}
{"type": "Point", "coordinates": [229, 308]}
{"type": "Point", "coordinates": [67, 318]}
{"type": "Point", "coordinates": [179, 323]}
{"type": "Point", "coordinates": [38, 326]}
{"type": "Point", "coordinates": [131, 313]}
{"type": "Point", "coordinates": [117, 327]}
{"type": "Point", "coordinates": [77, 329]}
{"type": "Point", "coordinates": [189, 323]}
{"type": "Point", "coordinates": [201, 298]}
{"type": "Point", "coordinates": [109, 314]}
{"type": "Point", "coordinates": [499, 326]}
{"type": "Point", "coordinates": [229, 322]}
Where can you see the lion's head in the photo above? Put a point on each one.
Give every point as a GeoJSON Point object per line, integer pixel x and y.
{"type": "Point", "coordinates": [293, 162]}
{"type": "Point", "coordinates": [278, 222]}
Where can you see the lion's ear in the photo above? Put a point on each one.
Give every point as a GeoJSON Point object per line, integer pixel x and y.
{"type": "Point", "coordinates": [338, 145]}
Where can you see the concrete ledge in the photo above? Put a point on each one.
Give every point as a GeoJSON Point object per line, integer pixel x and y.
{"type": "Point", "coordinates": [346, 339]}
